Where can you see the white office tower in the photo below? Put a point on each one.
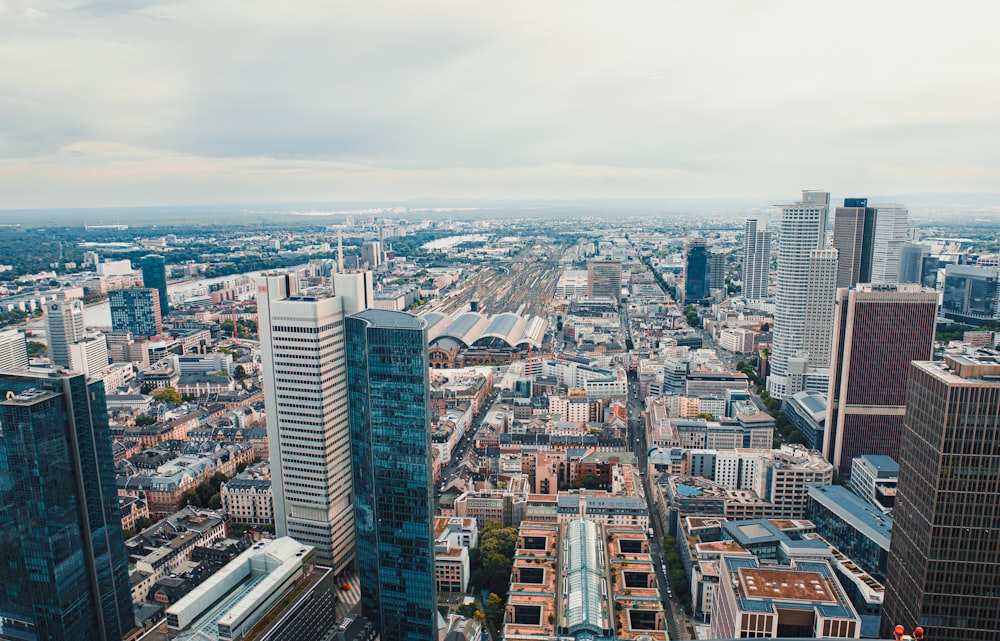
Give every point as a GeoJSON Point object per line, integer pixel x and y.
{"type": "Point", "coordinates": [803, 229]}
{"type": "Point", "coordinates": [89, 355]}
{"type": "Point", "coordinates": [13, 350]}
{"type": "Point", "coordinates": [309, 436]}
{"type": "Point", "coordinates": [65, 326]}
{"type": "Point", "coordinates": [821, 294]}
{"type": "Point", "coordinates": [356, 288]}
{"type": "Point", "coordinates": [890, 236]}
{"type": "Point", "coordinates": [756, 260]}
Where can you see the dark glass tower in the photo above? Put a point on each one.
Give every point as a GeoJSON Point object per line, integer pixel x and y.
{"type": "Point", "coordinates": [696, 272]}
{"type": "Point", "coordinates": [944, 560]}
{"type": "Point", "coordinates": [154, 276]}
{"type": "Point", "coordinates": [63, 568]}
{"type": "Point", "coordinates": [854, 239]}
{"type": "Point", "coordinates": [388, 387]}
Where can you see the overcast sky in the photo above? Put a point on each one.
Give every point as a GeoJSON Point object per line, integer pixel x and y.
{"type": "Point", "coordinates": [141, 102]}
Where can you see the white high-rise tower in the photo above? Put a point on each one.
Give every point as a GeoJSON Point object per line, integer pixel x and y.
{"type": "Point", "coordinates": [890, 236]}
{"type": "Point", "coordinates": [756, 260]}
{"type": "Point", "coordinates": [803, 229]}
{"type": "Point", "coordinates": [65, 325]}
{"type": "Point", "coordinates": [305, 395]}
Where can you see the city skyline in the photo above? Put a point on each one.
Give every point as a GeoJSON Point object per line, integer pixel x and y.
{"type": "Point", "coordinates": [162, 102]}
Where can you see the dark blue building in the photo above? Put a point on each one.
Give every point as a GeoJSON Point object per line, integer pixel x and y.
{"type": "Point", "coordinates": [136, 310]}
{"type": "Point", "coordinates": [154, 276]}
{"type": "Point", "coordinates": [63, 567]}
{"type": "Point", "coordinates": [696, 272]}
{"type": "Point", "coordinates": [388, 395]}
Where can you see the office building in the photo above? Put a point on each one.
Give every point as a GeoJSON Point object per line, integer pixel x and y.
{"type": "Point", "coordinates": [371, 254]}
{"type": "Point", "coordinates": [875, 478]}
{"type": "Point", "coordinates": [821, 289]}
{"type": "Point", "coordinates": [756, 260]}
{"type": "Point", "coordinates": [971, 294]}
{"type": "Point", "coordinates": [228, 604]}
{"type": "Point", "coordinates": [63, 567]}
{"type": "Point", "coordinates": [853, 238]}
{"type": "Point", "coordinates": [944, 563]}
{"type": "Point", "coordinates": [879, 330]}
{"type": "Point", "coordinates": [357, 290]}
{"type": "Point", "coordinates": [890, 236]}
{"type": "Point", "coordinates": [806, 411]}
{"type": "Point", "coordinates": [803, 599]}
{"type": "Point", "coordinates": [13, 350]}
{"type": "Point", "coordinates": [136, 311]}
{"type": "Point", "coordinates": [853, 526]}
{"type": "Point", "coordinates": [604, 279]}
{"type": "Point", "coordinates": [696, 271]}
{"type": "Point", "coordinates": [716, 271]}
{"type": "Point", "coordinates": [911, 262]}
{"type": "Point", "coordinates": [803, 229]}
{"type": "Point", "coordinates": [89, 355]}
{"type": "Point", "coordinates": [154, 276]}
{"type": "Point", "coordinates": [389, 391]}
{"type": "Point", "coordinates": [65, 325]}
{"type": "Point", "coordinates": [308, 432]}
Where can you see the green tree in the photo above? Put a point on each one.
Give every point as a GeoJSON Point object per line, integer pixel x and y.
{"type": "Point", "coordinates": [588, 481]}
{"type": "Point", "coordinates": [239, 372]}
{"type": "Point", "coordinates": [168, 395]}
{"type": "Point", "coordinates": [35, 348]}
{"type": "Point", "coordinates": [494, 610]}
{"type": "Point", "coordinates": [144, 419]}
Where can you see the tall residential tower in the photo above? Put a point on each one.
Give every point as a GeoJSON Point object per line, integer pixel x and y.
{"type": "Point", "coordinates": [803, 229]}
{"type": "Point", "coordinates": [756, 260]}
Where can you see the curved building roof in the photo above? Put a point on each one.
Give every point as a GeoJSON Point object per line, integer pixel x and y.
{"type": "Point", "coordinates": [505, 330]}
{"type": "Point", "coordinates": [584, 602]}
{"type": "Point", "coordinates": [465, 329]}
{"type": "Point", "coordinates": [436, 324]}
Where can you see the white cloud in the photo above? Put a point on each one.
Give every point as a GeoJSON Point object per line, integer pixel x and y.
{"type": "Point", "coordinates": [124, 102]}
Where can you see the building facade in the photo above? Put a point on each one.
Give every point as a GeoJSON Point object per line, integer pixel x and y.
{"type": "Point", "coordinates": [890, 236]}
{"type": "Point", "coordinates": [308, 432]}
{"type": "Point", "coordinates": [756, 260]}
{"type": "Point", "coordinates": [13, 350]}
{"type": "Point", "coordinates": [154, 276]}
{"type": "Point", "coordinates": [63, 567]}
{"type": "Point", "coordinates": [879, 329]}
{"type": "Point", "coordinates": [821, 290]}
{"type": "Point", "coordinates": [971, 294]}
{"type": "Point", "coordinates": [389, 393]}
{"type": "Point", "coordinates": [803, 229]}
{"type": "Point", "coordinates": [604, 279]}
{"type": "Point", "coordinates": [696, 271]}
{"type": "Point", "coordinates": [944, 564]}
{"type": "Point", "coordinates": [136, 311]}
{"type": "Point", "coordinates": [853, 238]}
{"type": "Point", "coordinates": [64, 324]}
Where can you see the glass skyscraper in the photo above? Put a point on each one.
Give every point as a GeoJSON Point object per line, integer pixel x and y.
{"type": "Point", "coordinates": [696, 271]}
{"type": "Point", "coordinates": [154, 276]}
{"type": "Point", "coordinates": [63, 567]}
{"type": "Point", "coordinates": [388, 391]}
